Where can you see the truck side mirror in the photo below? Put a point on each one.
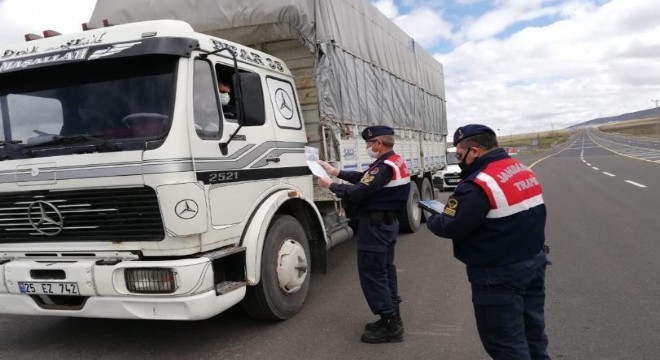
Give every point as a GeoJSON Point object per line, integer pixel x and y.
{"type": "Point", "coordinates": [249, 99]}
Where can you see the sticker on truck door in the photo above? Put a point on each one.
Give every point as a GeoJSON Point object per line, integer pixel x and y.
{"type": "Point", "coordinates": [285, 106]}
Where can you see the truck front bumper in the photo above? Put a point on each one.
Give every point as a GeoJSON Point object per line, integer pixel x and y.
{"type": "Point", "coordinates": [196, 307]}
{"type": "Point", "coordinates": [101, 289]}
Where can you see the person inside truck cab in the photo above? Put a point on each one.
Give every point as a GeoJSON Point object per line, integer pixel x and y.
{"type": "Point", "coordinates": [91, 115]}
{"type": "Point", "coordinates": [224, 88]}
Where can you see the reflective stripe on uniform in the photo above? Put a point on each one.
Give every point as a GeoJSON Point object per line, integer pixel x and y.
{"type": "Point", "coordinates": [400, 175]}
{"type": "Point", "coordinates": [517, 189]}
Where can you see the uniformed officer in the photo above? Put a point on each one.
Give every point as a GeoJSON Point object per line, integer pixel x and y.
{"type": "Point", "coordinates": [377, 194]}
{"type": "Point", "coordinates": [496, 220]}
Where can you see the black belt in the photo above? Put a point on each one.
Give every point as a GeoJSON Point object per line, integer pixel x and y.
{"type": "Point", "coordinates": [384, 216]}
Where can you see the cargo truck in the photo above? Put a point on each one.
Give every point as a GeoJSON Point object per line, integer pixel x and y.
{"type": "Point", "coordinates": [130, 187]}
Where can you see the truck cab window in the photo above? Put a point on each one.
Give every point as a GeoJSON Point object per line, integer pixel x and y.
{"type": "Point", "coordinates": [57, 109]}
{"type": "Point", "coordinates": [205, 95]}
{"type": "Point", "coordinates": [32, 115]}
{"type": "Point", "coordinates": [226, 91]}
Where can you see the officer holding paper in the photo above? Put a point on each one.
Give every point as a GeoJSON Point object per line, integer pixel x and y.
{"type": "Point", "coordinates": [496, 220]}
{"type": "Point", "coordinates": [377, 194]}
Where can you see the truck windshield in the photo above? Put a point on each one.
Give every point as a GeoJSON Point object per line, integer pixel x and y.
{"type": "Point", "coordinates": [121, 102]}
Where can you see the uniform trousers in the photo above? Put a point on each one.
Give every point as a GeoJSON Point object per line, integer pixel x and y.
{"type": "Point", "coordinates": [510, 317]}
{"type": "Point", "coordinates": [376, 242]}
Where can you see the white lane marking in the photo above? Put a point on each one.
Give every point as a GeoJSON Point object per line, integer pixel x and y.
{"type": "Point", "coordinates": [595, 168]}
{"type": "Point", "coordinates": [588, 164]}
{"type": "Point", "coordinates": [608, 174]}
{"type": "Point", "coordinates": [636, 184]}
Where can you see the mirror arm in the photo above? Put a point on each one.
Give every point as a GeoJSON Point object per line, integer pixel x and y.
{"type": "Point", "coordinates": [223, 146]}
{"type": "Point", "coordinates": [238, 96]}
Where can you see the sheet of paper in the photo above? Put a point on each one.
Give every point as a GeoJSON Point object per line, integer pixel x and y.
{"type": "Point", "coordinates": [312, 156]}
{"type": "Point", "coordinates": [432, 205]}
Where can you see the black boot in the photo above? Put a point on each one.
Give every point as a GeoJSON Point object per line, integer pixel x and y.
{"type": "Point", "coordinates": [389, 331]}
{"type": "Point", "coordinates": [372, 326]}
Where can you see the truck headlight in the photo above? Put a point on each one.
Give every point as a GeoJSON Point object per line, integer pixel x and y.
{"type": "Point", "coordinates": [150, 280]}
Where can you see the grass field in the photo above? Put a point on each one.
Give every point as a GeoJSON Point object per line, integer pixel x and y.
{"type": "Point", "coordinates": [543, 140]}
{"type": "Point", "coordinates": [649, 127]}
{"type": "Point", "coordinates": [534, 142]}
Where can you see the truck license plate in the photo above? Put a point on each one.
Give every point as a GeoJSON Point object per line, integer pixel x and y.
{"type": "Point", "coordinates": [48, 288]}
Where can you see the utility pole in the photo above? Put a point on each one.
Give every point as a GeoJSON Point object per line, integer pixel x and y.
{"type": "Point", "coordinates": [656, 101]}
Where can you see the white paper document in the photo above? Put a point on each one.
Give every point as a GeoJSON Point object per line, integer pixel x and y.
{"type": "Point", "coordinates": [312, 157]}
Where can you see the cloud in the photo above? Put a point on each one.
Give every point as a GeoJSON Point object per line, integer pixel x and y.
{"type": "Point", "coordinates": [594, 62]}
{"type": "Point", "coordinates": [423, 24]}
{"type": "Point", "coordinates": [387, 7]}
{"type": "Point", "coordinates": [19, 17]}
{"type": "Point", "coordinates": [503, 17]}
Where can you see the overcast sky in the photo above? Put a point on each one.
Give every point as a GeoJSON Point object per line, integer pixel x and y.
{"type": "Point", "coordinates": [515, 65]}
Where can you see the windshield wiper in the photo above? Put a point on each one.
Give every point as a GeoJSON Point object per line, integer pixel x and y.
{"type": "Point", "coordinates": [12, 144]}
{"type": "Point", "coordinates": [12, 148]}
{"type": "Point", "coordinates": [101, 144]}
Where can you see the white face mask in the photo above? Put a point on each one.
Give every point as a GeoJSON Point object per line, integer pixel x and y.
{"type": "Point", "coordinates": [372, 153]}
{"type": "Point", "coordinates": [224, 98]}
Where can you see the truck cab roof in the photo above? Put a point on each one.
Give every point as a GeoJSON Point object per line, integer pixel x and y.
{"type": "Point", "coordinates": [62, 47]}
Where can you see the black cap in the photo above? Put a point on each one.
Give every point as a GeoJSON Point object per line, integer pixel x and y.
{"type": "Point", "coordinates": [374, 131]}
{"type": "Point", "coordinates": [470, 130]}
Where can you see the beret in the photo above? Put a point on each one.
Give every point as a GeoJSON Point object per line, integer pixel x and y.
{"type": "Point", "coordinates": [374, 131]}
{"type": "Point", "coordinates": [470, 130]}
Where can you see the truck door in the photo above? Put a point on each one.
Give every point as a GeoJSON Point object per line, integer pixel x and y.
{"type": "Point", "coordinates": [246, 172]}
{"type": "Point", "coordinates": [288, 127]}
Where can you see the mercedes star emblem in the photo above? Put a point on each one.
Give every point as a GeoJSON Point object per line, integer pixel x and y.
{"type": "Point", "coordinates": [45, 217]}
{"type": "Point", "coordinates": [186, 209]}
{"type": "Point", "coordinates": [285, 107]}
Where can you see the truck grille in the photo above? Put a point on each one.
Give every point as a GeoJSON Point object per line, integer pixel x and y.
{"type": "Point", "coordinates": [84, 215]}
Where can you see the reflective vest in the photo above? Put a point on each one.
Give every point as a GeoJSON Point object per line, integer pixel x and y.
{"type": "Point", "coordinates": [400, 174]}
{"type": "Point", "coordinates": [511, 188]}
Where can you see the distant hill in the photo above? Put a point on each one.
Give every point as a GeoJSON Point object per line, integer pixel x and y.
{"type": "Point", "coordinates": [623, 117]}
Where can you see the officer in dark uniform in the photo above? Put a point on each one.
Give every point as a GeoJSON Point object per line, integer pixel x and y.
{"type": "Point", "coordinates": [377, 194]}
{"type": "Point", "coordinates": [496, 220]}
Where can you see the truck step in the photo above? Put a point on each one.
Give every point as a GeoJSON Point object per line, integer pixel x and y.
{"type": "Point", "coordinates": [228, 286]}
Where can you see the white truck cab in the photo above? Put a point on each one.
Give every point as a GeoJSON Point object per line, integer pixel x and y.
{"type": "Point", "coordinates": [449, 177]}
{"type": "Point", "coordinates": [133, 186]}
{"type": "Point", "coordinates": [126, 193]}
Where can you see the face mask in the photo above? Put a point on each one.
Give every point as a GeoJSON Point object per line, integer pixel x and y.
{"type": "Point", "coordinates": [466, 169]}
{"type": "Point", "coordinates": [462, 164]}
{"type": "Point", "coordinates": [372, 153]}
{"type": "Point", "coordinates": [224, 98]}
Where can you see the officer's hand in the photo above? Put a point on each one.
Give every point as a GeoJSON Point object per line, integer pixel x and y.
{"type": "Point", "coordinates": [333, 171]}
{"type": "Point", "coordinates": [324, 182]}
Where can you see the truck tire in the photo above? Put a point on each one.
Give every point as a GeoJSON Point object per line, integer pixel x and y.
{"type": "Point", "coordinates": [410, 217]}
{"type": "Point", "coordinates": [285, 276]}
{"type": "Point", "coordinates": [426, 193]}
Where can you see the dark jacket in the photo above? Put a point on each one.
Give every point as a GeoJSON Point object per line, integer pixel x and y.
{"type": "Point", "coordinates": [485, 242]}
{"type": "Point", "coordinates": [367, 191]}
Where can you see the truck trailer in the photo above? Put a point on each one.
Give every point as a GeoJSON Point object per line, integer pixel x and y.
{"type": "Point", "coordinates": [130, 187]}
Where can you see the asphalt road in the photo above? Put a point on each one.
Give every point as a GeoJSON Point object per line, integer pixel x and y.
{"type": "Point", "coordinates": [603, 297]}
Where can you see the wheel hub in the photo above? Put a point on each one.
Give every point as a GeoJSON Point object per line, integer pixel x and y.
{"type": "Point", "coordinates": [291, 266]}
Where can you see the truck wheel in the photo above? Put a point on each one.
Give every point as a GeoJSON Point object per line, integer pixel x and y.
{"type": "Point", "coordinates": [284, 272]}
{"type": "Point", "coordinates": [411, 216]}
{"type": "Point", "coordinates": [426, 193]}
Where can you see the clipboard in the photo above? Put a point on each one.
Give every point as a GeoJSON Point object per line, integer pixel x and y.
{"type": "Point", "coordinates": [433, 206]}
